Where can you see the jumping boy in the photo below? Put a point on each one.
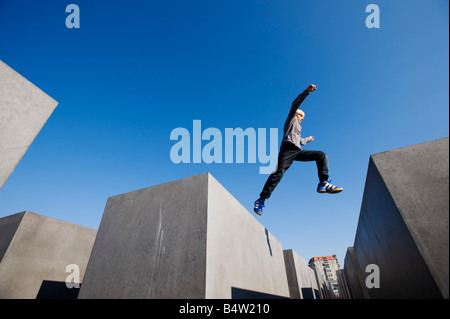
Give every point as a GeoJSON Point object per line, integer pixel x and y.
{"type": "Point", "coordinates": [291, 151]}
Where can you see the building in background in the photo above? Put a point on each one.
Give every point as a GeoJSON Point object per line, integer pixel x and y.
{"type": "Point", "coordinates": [325, 268]}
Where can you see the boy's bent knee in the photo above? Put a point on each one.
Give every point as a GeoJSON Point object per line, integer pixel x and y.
{"type": "Point", "coordinates": [323, 154]}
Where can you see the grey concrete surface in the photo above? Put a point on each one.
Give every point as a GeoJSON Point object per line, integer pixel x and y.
{"type": "Point", "coordinates": [184, 239]}
{"type": "Point", "coordinates": [24, 109]}
{"type": "Point", "coordinates": [301, 278]}
{"type": "Point", "coordinates": [35, 249]}
{"type": "Point", "coordinates": [151, 243]}
{"type": "Point", "coordinates": [241, 252]}
{"type": "Point", "coordinates": [321, 283]}
{"type": "Point", "coordinates": [344, 292]}
{"type": "Point", "coordinates": [403, 223]}
{"type": "Point", "coordinates": [354, 278]}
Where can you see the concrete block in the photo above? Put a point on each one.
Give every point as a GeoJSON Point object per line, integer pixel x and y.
{"type": "Point", "coordinates": [403, 223]}
{"type": "Point", "coordinates": [344, 292]}
{"type": "Point", "coordinates": [301, 278]}
{"type": "Point", "coordinates": [24, 109]}
{"type": "Point", "coordinates": [354, 278]}
{"type": "Point", "coordinates": [35, 251]}
{"type": "Point", "coordinates": [184, 239]}
{"type": "Point", "coordinates": [321, 283]}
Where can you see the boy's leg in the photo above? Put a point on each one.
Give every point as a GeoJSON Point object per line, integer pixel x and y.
{"type": "Point", "coordinates": [321, 159]}
{"type": "Point", "coordinates": [288, 153]}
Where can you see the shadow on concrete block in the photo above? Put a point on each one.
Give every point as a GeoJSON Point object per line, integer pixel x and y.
{"type": "Point", "coordinates": [238, 293]}
{"type": "Point", "coordinates": [56, 290]}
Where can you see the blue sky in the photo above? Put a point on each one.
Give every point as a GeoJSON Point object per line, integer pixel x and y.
{"type": "Point", "coordinates": [136, 70]}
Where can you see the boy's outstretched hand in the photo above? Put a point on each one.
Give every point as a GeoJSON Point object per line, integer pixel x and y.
{"type": "Point", "coordinates": [311, 88]}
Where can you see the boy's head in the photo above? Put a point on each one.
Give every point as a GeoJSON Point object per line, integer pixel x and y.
{"type": "Point", "coordinates": [300, 115]}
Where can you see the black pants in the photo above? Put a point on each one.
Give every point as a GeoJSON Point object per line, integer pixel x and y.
{"type": "Point", "coordinates": [288, 154]}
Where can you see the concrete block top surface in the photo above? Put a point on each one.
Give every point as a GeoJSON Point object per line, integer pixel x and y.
{"type": "Point", "coordinates": [24, 109]}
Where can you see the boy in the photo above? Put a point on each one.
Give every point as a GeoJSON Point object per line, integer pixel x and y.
{"type": "Point", "coordinates": [291, 150]}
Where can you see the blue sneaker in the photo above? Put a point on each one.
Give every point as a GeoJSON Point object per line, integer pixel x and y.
{"type": "Point", "coordinates": [259, 205]}
{"type": "Point", "coordinates": [327, 187]}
